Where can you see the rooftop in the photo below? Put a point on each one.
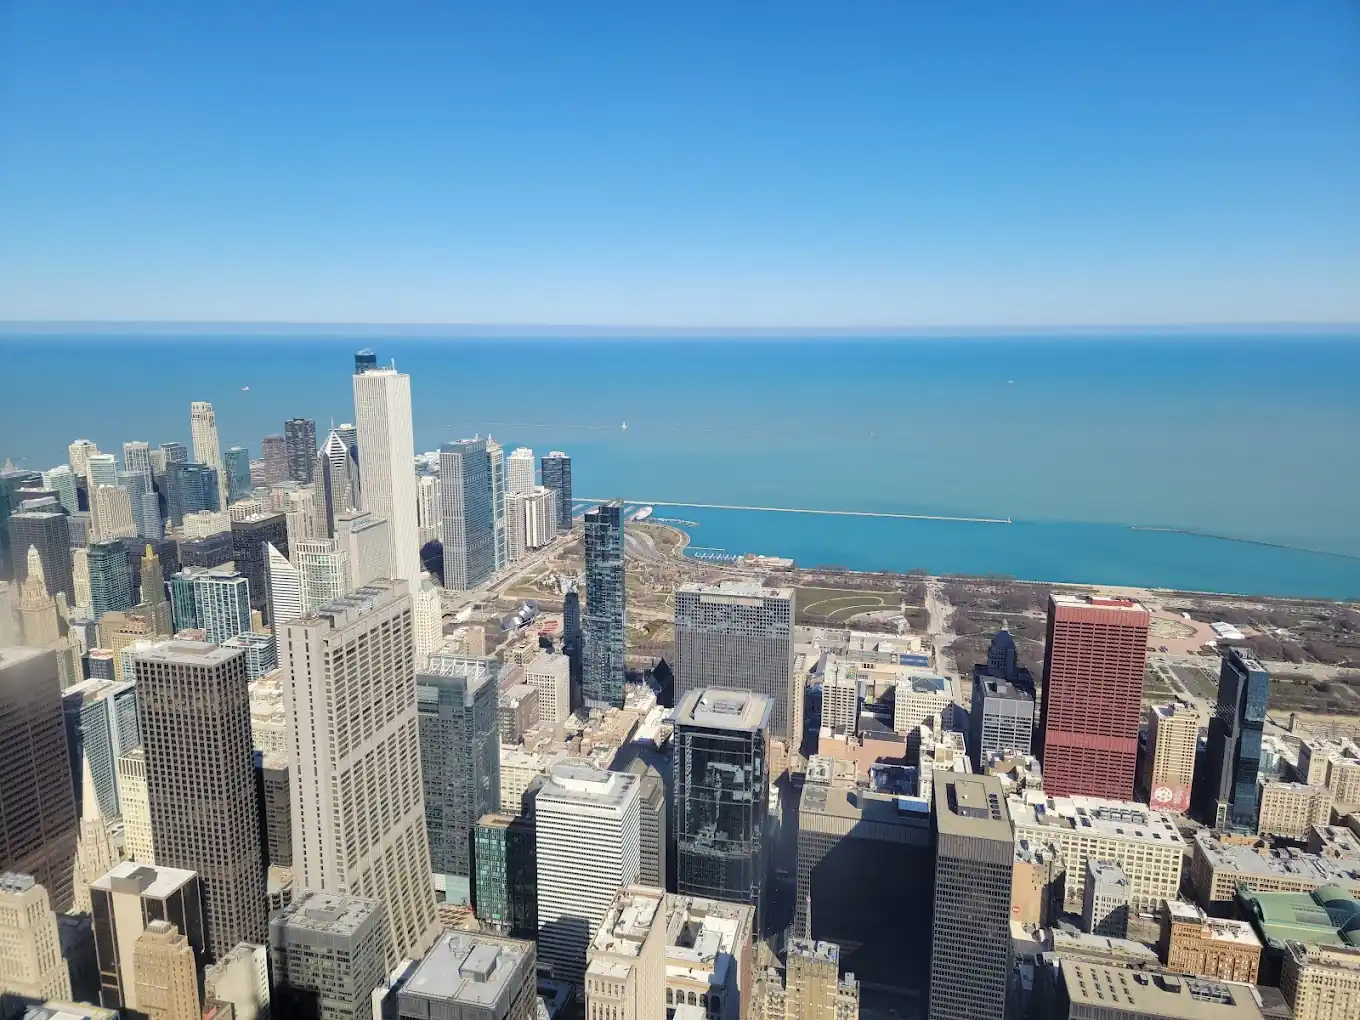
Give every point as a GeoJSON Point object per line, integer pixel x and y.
{"type": "Point", "coordinates": [971, 805]}
{"type": "Point", "coordinates": [1095, 816]}
{"type": "Point", "coordinates": [1158, 995]}
{"type": "Point", "coordinates": [331, 913]}
{"type": "Point", "coordinates": [724, 710]}
{"type": "Point", "coordinates": [151, 880]}
{"type": "Point", "coordinates": [853, 805]}
{"type": "Point", "coordinates": [828, 952]}
{"type": "Point", "coordinates": [1248, 859]}
{"type": "Point", "coordinates": [628, 921]}
{"type": "Point", "coordinates": [1097, 602]}
{"type": "Point", "coordinates": [1326, 916]}
{"type": "Point", "coordinates": [702, 936]}
{"type": "Point", "coordinates": [734, 590]}
{"type": "Point", "coordinates": [578, 782]}
{"type": "Point", "coordinates": [188, 653]}
{"type": "Point", "coordinates": [468, 968]}
{"type": "Point", "coordinates": [475, 669]}
{"type": "Point", "coordinates": [12, 882]}
{"type": "Point", "coordinates": [345, 610]}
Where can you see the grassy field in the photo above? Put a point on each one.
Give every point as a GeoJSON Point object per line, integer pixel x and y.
{"type": "Point", "coordinates": [841, 604]}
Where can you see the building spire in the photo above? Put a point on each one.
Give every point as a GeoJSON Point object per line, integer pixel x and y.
{"type": "Point", "coordinates": [35, 568]}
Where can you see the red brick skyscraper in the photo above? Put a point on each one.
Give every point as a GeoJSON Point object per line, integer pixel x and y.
{"type": "Point", "coordinates": [1093, 692]}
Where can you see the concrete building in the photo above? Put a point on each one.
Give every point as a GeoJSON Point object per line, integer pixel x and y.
{"type": "Point", "coordinates": [556, 472]}
{"type": "Point", "coordinates": [110, 578]}
{"type": "Point", "coordinates": [468, 514]}
{"type": "Point", "coordinates": [216, 601]}
{"type": "Point", "coordinates": [1193, 943]}
{"type": "Point", "coordinates": [1001, 718]}
{"type": "Point", "coordinates": [922, 698]}
{"type": "Point", "coordinates": [323, 571]}
{"type": "Point", "coordinates": [133, 801]}
{"type": "Point", "coordinates": [329, 952]}
{"type": "Point", "coordinates": [710, 950]}
{"type": "Point", "coordinates": [519, 470]}
{"type": "Point", "coordinates": [1334, 764]}
{"type": "Point", "coordinates": [540, 517]}
{"type": "Point", "coordinates": [551, 675]}
{"type": "Point", "coordinates": [38, 817]}
{"type": "Point", "coordinates": [1146, 844]}
{"type": "Point", "coordinates": [505, 874]}
{"type": "Point", "coordinates": [1169, 764]}
{"type": "Point", "coordinates": [1292, 809]}
{"type": "Point", "coordinates": [250, 540]}
{"type": "Point", "coordinates": [496, 456]}
{"type": "Point", "coordinates": [193, 709]}
{"type": "Point", "coordinates": [101, 725]}
{"type": "Point", "coordinates": [207, 449]}
{"type": "Point", "coordinates": [354, 739]}
{"type": "Point", "coordinates": [382, 409]}
{"type": "Point", "coordinates": [204, 523]}
{"type": "Point", "coordinates": [46, 530]}
{"type": "Point", "coordinates": [1322, 982]}
{"type": "Point", "coordinates": [1226, 795]}
{"type": "Point", "coordinates": [241, 978]}
{"type": "Point", "coordinates": [472, 977]}
{"type": "Point", "coordinates": [62, 480]}
{"type": "Point", "coordinates": [429, 509]}
{"type": "Point", "coordinates": [652, 824]}
{"type": "Point", "coordinates": [722, 792]}
{"type": "Point", "coordinates": [124, 902]}
{"type": "Point", "coordinates": [626, 960]}
{"type": "Point", "coordinates": [970, 960]}
{"type": "Point", "coordinates": [1219, 865]}
{"type": "Point", "coordinates": [276, 806]}
{"type": "Point", "coordinates": [299, 436]}
{"type": "Point", "coordinates": [1098, 991]}
{"type": "Point", "coordinates": [738, 636]}
{"type": "Point", "coordinates": [1105, 900]}
{"type": "Point", "coordinates": [518, 712]}
{"type": "Point", "coordinates": [1038, 884]}
{"type": "Point", "coordinates": [31, 962]}
{"type": "Point", "coordinates": [586, 837]}
{"type": "Point", "coordinates": [274, 455]}
{"type": "Point", "coordinates": [368, 542]}
{"type": "Point", "coordinates": [167, 978]}
{"type": "Point", "coordinates": [813, 988]}
{"type": "Point", "coordinates": [1094, 662]}
{"type": "Point", "coordinates": [606, 613]}
{"type": "Point", "coordinates": [456, 699]}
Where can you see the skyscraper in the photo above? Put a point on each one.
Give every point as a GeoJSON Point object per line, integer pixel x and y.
{"type": "Point", "coordinates": [505, 880]}
{"type": "Point", "coordinates": [606, 640]}
{"type": "Point", "coordinates": [738, 636]}
{"type": "Point", "coordinates": [137, 457]}
{"type": "Point", "coordinates": [274, 453]}
{"type": "Point", "coordinates": [207, 450]}
{"type": "Point", "coordinates": [37, 608]}
{"type": "Point", "coordinates": [249, 537]}
{"type": "Point", "coordinates": [1001, 719]}
{"type": "Point", "coordinates": [323, 570]}
{"type": "Point", "coordinates": [236, 464]}
{"type": "Point", "coordinates": [216, 600]}
{"type": "Point", "coordinates": [382, 410]}
{"type": "Point", "coordinates": [1093, 693]}
{"type": "Point", "coordinates": [111, 512]}
{"type": "Point", "coordinates": [557, 476]}
{"type": "Point", "coordinates": [47, 531]}
{"type": "Point", "coordinates": [329, 953]}
{"type": "Point", "coordinates": [300, 443]}
{"type": "Point", "coordinates": [62, 480]}
{"type": "Point", "coordinates": [154, 601]}
{"type": "Point", "coordinates": [193, 708]}
{"type": "Point", "coordinates": [970, 959]}
{"type": "Point", "coordinates": [722, 793]}
{"type": "Point", "coordinates": [167, 977]}
{"type": "Point", "coordinates": [496, 454]}
{"type": "Point", "coordinates": [354, 736]}
{"type": "Point", "coordinates": [429, 509]}
{"type": "Point", "coordinates": [110, 578]}
{"type": "Point", "coordinates": [78, 456]}
{"type": "Point", "coordinates": [101, 725]}
{"type": "Point", "coordinates": [285, 587]}
{"type": "Point", "coordinates": [1227, 792]}
{"type": "Point", "coordinates": [469, 524]}
{"type": "Point", "coordinates": [38, 820]}
{"type": "Point", "coordinates": [175, 453]}
{"type": "Point", "coordinates": [519, 470]}
{"type": "Point", "coordinates": [540, 516]}
{"type": "Point", "coordinates": [30, 942]}
{"type": "Point", "coordinates": [101, 469]}
{"type": "Point", "coordinates": [573, 638]}
{"type": "Point", "coordinates": [190, 487]}
{"type": "Point", "coordinates": [457, 699]}
{"type": "Point", "coordinates": [336, 476]}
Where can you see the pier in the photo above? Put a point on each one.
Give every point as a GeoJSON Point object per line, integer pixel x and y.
{"type": "Point", "coordinates": [810, 510]}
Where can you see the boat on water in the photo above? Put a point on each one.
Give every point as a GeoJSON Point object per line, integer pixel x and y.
{"type": "Point", "coordinates": [644, 513]}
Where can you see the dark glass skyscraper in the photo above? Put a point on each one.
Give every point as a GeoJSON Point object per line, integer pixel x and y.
{"type": "Point", "coordinates": [299, 436]}
{"type": "Point", "coordinates": [1226, 784]}
{"type": "Point", "coordinates": [111, 587]}
{"type": "Point", "coordinates": [606, 640]}
{"type": "Point", "coordinates": [10, 483]}
{"type": "Point", "coordinates": [236, 463]}
{"type": "Point", "coordinates": [47, 531]}
{"type": "Point", "coordinates": [248, 539]}
{"type": "Point", "coordinates": [556, 468]}
{"type": "Point", "coordinates": [722, 792]}
{"type": "Point", "coordinates": [505, 874]}
{"type": "Point", "coordinates": [469, 524]}
{"type": "Point", "coordinates": [189, 487]}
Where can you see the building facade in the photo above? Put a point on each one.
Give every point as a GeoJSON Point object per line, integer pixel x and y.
{"type": "Point", "coordinates": [250, 539]}
{"type": "Point", "coordinates": [382, 415]}
{"type": "Point", "coordinates": [1227, 796]}
{"type": "Point", "coordinates": [207, 449]}
{"type": "Point", "coordinates": [606, 613]}
{"type": "Point", "coordinates": [1292, 809]}
{"type": "Point", "coordinates": [299, 436]}
{"type": "Point", "coordinates": [31, 961]}
{"type": "Point", "coordinates": [329, 952]}
{"type": "Point", "coordinates": [468, 514]}
{"type": "Point", "coordinates": [1169, 762]}
{"type": "Point", "coordinates": [556, 471]}
{"type": "Point", "coordinates": [626, 960]}
{"type": "Point", "coordinates": [505, 874]}
{"type": "Point", "coordinates": [1001, 719]}
{"type": "Point", "coordinates": [472, 977]}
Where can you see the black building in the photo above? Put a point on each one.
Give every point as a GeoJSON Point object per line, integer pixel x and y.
{"type": "Point", "coordinates": [1225, 787]}
{"type": "Point", "coordinates": [299, 436]}
{"type": "Point", "coordinates": [46, 530]}
{"type": "Point", "coordinates": [209, 551]}
{"type": "Point", "coordinates": [604, 665]}
{"type": "Point", "coordinates": [10, 483]}
{"type": "Point", "coordinates": [248, 539]}
{"type": "Point", "coordinates": [556, 468]}
{"type": "Point", "coordinates": [189, 488]}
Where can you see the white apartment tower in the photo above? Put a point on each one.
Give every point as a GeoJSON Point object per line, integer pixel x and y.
{"type": "Point", "coordinates": [540, 517]}
{"type": "Point", "coordinates": [519, 470]}
{"type": "Point", "coordinates": [387, 454]}
{"type": "Point", "coordinates": [358, 813]}
{"type": "Point", "coordinates": [207, 450]}
{"type": "Point", "coordinates": [324, 571]}
{"type": "Point", "coordinates": [586, 840]}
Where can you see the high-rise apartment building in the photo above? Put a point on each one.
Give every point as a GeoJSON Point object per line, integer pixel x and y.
{"type": "Point", "coordinates": [738, 636]}
{"type": "Point", "coordinates": [110, 577]}
{"type": "Point", "coordinates": [47, 531]}
{"type": "Point", "coordinates": [722, 792]}
{"type": "Point", "coordinates": [970, 959]}
{"type": "Point", "coordinates": [515, 528]}
{"type": "Point", "coordinates": [101, 725]}
{"type": "Point", "coordinates": [175, 453]}
{"type": "Point", "coordinates": [1001, 719]}
{"type": "Point", "coordinates": [1226, 793]}
{"type": "Point", "coordinates": [299, 436]}
{"type": "Point", "coordinates": [207, 449]}
{"type": "Point", "coordinates": [382, 409]}
{"type": "Point", "coordinates": [587, 846]}
{"type": "Point", "coordinates": [62, 480]}
{"type": "Point", "coordinates": [1093, 691]}
{"type": "Point", "coordinates": [429, 510]}
{"type": "Point", "coordinates": [469, 523]}
{"type": "Point", "coordinates": [323, 571]}
{"type": "Point", "coordinates": [329, 953]}
{"type": "Point", "coordinates": [111, 512]}
{"type": "Point", "coordinates": [505, 874]}
{"type": "Point", "coordinates": [236, 466]}
{"type": "Point", "coordinates": [460, 761]}
{"type": "Point", "coordinates": [167, 977]}
{"type": "Point", "coordinates": [1169, 762]}
{"type": "Point", "coordinates": [285, 586]}
{"type": "Point", "coordinates": [540, 517]}
{"type": "Point", "coordinates": [78, 456]}
{"type": "Point", "coordinates": [653, 824]}
{"type": "Point", "coordinates": [606, 615]}
{"type": "Point", "coordinates": [38, 818]}
{"type": "Point", "coordinates": [193, 708]}
{"type": "Point", "coordinates": [354, 738]}
{"type": "Point", "coordinates": [556, 467]}
{"type": "Point", "coordinates": [250, 538]}
{"type": "Point", "coordinates": [31, 961]}
{"type": "Point", "coordinates": [216, 601]}
{"type": "Point", "coordinates": [519, 470]}
{"type": "Point", "coordinates": [626, 959]}
{"type": "Point", "coordinates": [496, 456]}
{"type": "Point", "coordinates": [274, 453]}
{"type": "Point", "coordinates": [101, 469]}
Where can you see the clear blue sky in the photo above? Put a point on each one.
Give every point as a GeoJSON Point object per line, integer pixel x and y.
{"type": "Point", "coordinates": [783, 163]}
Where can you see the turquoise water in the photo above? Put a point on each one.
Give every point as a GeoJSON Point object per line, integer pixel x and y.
{"type": "Point", "coordinates": [1076, 438]}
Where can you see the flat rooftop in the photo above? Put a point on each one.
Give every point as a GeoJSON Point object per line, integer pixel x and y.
{"type": "Point", "coordinates": [468, 968]}
{"type": "Point", "coordinates": [859, 805]}
{"type": "Point", "coordinates": [345, 610]}
{"type": "Point", "coordinates": [702, 936]}
{"type": "Point", "coordinates": [1095, 816]}
{"type": "Point", "coordinates": [1158, 995]}
{"type": "Point", "coordinates": [475, 669]}
{"type": "Point", "coordinates": [579, 782]}
{"type": "Point", "coordinates": [1247, 860]}
{"type": "Point", "coordinates": [718, 709]}
{"type": "Point", "coordinates": [735, 589]}
{"type": "Point", "coordinates": [188, 653]}
{"type": "Point", "coordinates": [1107, 602]}
{"type": "Point", "coordinates": [628, 921]}
{"type": "Point", "coordinates": [811, 949]}
{"type": "Point", "coordinates": [331, 913]}
{"type": "Point", "coordinates": [972, 805]}
{"type": "Point", "coordinates": [153, 880]}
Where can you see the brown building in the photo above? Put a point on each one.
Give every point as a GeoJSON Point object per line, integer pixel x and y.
{"type": "Point", "coordinates": [1038, 884]}
{"type": "Point", "coordinates": [1093, 695]}
{"type": "Point", "coordinates": [167, 981]}
{"type": "Point", "coordinates": [1192, 943]}
{"type": "Point", "coordinates": [1169, 766]}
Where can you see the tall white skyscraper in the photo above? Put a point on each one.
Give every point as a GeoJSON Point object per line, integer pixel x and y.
{"type": "Point", "coordinates": [137, 457]}
{"type": "Point", "coordinates": [100, 469]}
{"type": "Point", "coordinates": [587, 846]}
{"type": "Point", "coordinates": [358, 809]}
{"type": "Point", "coordinates": [285, 587]}
{"type": "Point", "coordinates": [207, 450]}
{"type": "Point", "coordinates": [387, 455]}
{"type": "Point", "coordinates": [78, 455]}
{"type": "Point", "coordinates": [324, 569]}
{"type": "Point", "coordinates": [519, 471]}
{"type": "Point", "coordinates": [111, 514]}
{"type": "Point", "coordinates": [540, 517]}
{"type": "Point", "coordinates": [429, 512]}
{"type": "Point", "coordinates": [496, 452]}
{"type": "Point", "coordinates": [368, 542]}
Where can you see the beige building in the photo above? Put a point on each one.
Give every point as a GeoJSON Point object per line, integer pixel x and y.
{"type": "Point", "coordinates": [1169, 766]}
{"type": "Point", "coordinates": [1038, 885]}
{"type": "Point", "coordinates": [551, 675]}
{"type": "Point", "coordinates": [1321, 982]}
{"type": "Point", "coordinates": [132, 801]}
{"type": "Point", "coordinates": [1117, 993]}
{"type": "Point", "coordinates": [31, 964]}
{"type": "Point", "coordinates": [1334, 764]}
{"type": "Point", "coordinates": [1221, 862]}
{"type": "Point", "coordinates": [812, 987]}
{"type": "Point", "coordinates": [167, 981]}
{"type": "Point", "coordinates": [1193, 943]}
{"type": "Point", "coordinates": [242, 979]}
{"type": "Point", "coordinates": [709, 955]}
{"type": "Point", "coordinates": [626, 960]}
{"type": "Point", "coordinates": [1290, 809]}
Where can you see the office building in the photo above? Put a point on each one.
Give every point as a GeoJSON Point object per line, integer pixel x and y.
{"type": "Point", "coordinates": [382, 408]}
{"type": "Point", "coordinates": [110, 577]}
{"type": "Point", "coordinates": [456, 698]}
{"type": "Point", "coordinates": [101, 469]}
{"type": "Point", "coordinates": [190, 487]}
{"type": "Point", "coordinates": [557, 477]}
{"type": "Point", "coordinates": [1334, 764]}
{"type": "Point", "coordinates": [919, 699]}
{"type": "Point", "coordinates": [300, 447]}
{"type": "Point", "coordinates": [1169, 761]}
{"type": "Point", "coordinates": [738, 636]}
{"type": "Point", "coordinates": [215, 601]}
{"type": "Point", "coordinates": [1091, 990]}
{"type": "Point", "coordinates": [79, 454]}
{"type": "Point", "coordinates": [111, 513]}
{"type": "Point", "coordinates": [135, 806]}
{"type": "Point", "coordinates": [505, 874]}
{"type": "Point", "coordinates": [1105, 900]}
{"type": "Point", "coordinates": [46, 531]}
{"type": "Point", "coordinates": [469, 524]}
{"type": "Point", "coordinates": [214, 551]}
{"type": "Point", "coordinates": [652, 824]}
{"type": "Point", "coordinates": [709, 950]}
{"type": "Point", "coordinates": [550, 674]}
{"type": "Point", "coordinates": [970, 959]}
{"type": "Point", "coordinates": [236, 466]}
{"type": "Point", "coordinates": [329, 952]}
{"type": "Point", "coordinates": [167, 979]}
{"type": "Point", "coordinates": [240, 978]}
{"type": "Point", "coordinates": [146, 514]}
{"type": "Point", "coordinates": [540, 517]}
{"type": "Point", "coordinates": [38, 818]}
{"type": "Point", "coordinates": [337, 473]}
{"type": "Point", "coordinates": [472, 976]}
{"type": "Point", "coordinates": [62, 480]}
{"type": "Point", "coordinates": [626, 959]}
{"type": "Point", "coordinates": [323, 571]}
{"type": "Point", "coordinates": [300, 516]}
{"type": "Point", "coordinates": [518, 712]}
{"type": "Point", "coordinates": [722, 792]}
{"type": "Point", "coordinates": [1001, 719]}
{"type": "Point", "coordinates": [813, 988]}
{"type": "Point", "coordinates": [101, 725]}
{"type": "Point", "coordinates": [606, 613]}
{"type": "Point", "coordinates": [1226, 793]}
{"type": "Point", "coordinates": [519, 470]}
{"type": "Point", "coordinates": [154, 604]}
{"type": "Point", "coordinates": [285, 587]}
{"type": "Point", "coordinates": [1093, 689]}
{"type": "Point", "coordinates": [276, 806]}
{"type": "Point", "coordinates": [354, 739]}
{"type": "Point", "coordinates": [496, 456]}
{"type": "Point", "coordinates": [31, 961]}
{"type": "Point", "coordinates": [274, 453]}
{"type": "Point", "coordinates": [573, 636]}
{"type": "Point", "coordinates": [193, 709]}
{"type": "Point", "coordinates": [430, 510]}
{"type": "Point", "coordinates": [1321, 982]}
{"type": "Point", "coordinates": [37, 608]}
{"type": "Point", "coordinates": [11, 483]}
{"type": "Point", "coordinates": [1193, 943]}
{"type": "Point", "coordinates": [124, 902]}
{"type": "Point", "coordinates": [367, 540]}
{"type": "Point", "coordinates": [587, 846]}
{"type": "Point", "coordinates": [250, 538]}
{"type": "Point", "coordinates": [207, 449]}
{"type": "Point", "coordinates": [1220, 865]}
{"type": "Point", "coordinates": [174, 453]}
{"type": "Point", "coordinates": [1292, 809]}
